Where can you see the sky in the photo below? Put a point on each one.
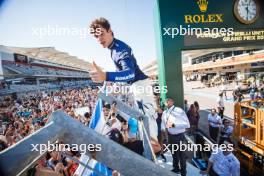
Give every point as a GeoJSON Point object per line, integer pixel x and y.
{"type": "Point", "coordinates": [33, 23]}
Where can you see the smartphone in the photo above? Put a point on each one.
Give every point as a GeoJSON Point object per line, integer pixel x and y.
{"type": "Point", "coordinates": [114, 103]}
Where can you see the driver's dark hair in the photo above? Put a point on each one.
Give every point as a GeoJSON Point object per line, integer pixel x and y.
{"type": "Point", "coordinates": [100, 23]}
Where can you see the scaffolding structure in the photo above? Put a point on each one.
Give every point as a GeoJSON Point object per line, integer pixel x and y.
{"type": "Point", "coordinates": [249, 134]}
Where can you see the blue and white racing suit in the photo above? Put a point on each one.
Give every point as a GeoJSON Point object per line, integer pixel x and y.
{"type": "Point", "coordinates": [126, 65]}
{"type": "Point", "coordinates": [129, 72]}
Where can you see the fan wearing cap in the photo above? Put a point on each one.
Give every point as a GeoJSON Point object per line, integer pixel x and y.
{"type": "Point", "coordinates": [130, 130]}
{"type": "Point", "coordinates": [133, 128]}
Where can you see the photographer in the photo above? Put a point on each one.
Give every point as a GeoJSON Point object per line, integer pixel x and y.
{"type": "Point", "coordinates": [130, 132]}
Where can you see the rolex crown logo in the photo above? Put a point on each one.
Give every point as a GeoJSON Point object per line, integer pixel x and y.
{"type": "Point", "coordinates": [202, 5]}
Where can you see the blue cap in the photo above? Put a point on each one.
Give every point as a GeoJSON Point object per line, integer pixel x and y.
{"type": "Point", "coordinates": [133, 125]}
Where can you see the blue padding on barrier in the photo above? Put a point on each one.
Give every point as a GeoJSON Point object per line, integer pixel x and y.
{"type": "Point", "coordinates": [200, 163]}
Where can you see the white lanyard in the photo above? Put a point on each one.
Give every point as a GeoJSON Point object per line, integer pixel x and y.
{"type": "Point", "coordinates": [168, 116]}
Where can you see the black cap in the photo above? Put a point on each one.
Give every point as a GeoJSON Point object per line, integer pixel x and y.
{"type": "Point", "coordinates": [116, 135]}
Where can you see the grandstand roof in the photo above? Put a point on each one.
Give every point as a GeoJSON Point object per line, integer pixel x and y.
{"type": "Point", "coordinates": [50, 54]}
{"type": "Point", "coordinates": [202, 52]}
{"type": "Point", "coordinates": [236, 60]}
{"type": "Point", "coordinates": [151, 68]}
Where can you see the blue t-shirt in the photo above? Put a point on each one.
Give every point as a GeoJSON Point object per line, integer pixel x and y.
{"type": "Point", "coordinates": [101, 168]}
{"type": "Point", "coordinates": [125, 62]}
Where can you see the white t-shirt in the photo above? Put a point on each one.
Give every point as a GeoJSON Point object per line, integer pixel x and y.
{"type": "Point", "coordinates": [220, 102]}
{"type": "Point", "coordinates": [178, 117]}
{"type": "Point", "coordinates": [106, 129]}
{"type": "Point", "coordinates": [214, 121]}
{"type": "Point", "coordinates": [117, 124]}
{"type": "Point", "coordinates": [225, 165]}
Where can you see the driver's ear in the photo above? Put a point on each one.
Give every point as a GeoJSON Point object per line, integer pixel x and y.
{"type": "Point", "coordinates": [110, 31]}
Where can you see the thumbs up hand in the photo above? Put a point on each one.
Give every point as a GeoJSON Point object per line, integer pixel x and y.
{"type": "Point", "coordinates": [97, 74]}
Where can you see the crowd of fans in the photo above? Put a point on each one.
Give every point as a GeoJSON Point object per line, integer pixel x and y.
{"type": "Point", "coordinates": [26, 114]}
{"type": "Point", "coordinates": [31, 86]}
{"type": "Point", "coordinates": [3, 85]}
{"type": "Point", "coordinates": [23, 115]}
{"type": "Point", "coordinates": [37, 70]}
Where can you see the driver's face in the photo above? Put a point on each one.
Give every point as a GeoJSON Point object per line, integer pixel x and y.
{"type": "Point", "coordinates": [105, 38]}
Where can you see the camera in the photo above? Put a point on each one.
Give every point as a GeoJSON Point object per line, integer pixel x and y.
{"type": "Point", "coordinates": [120, 118]}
